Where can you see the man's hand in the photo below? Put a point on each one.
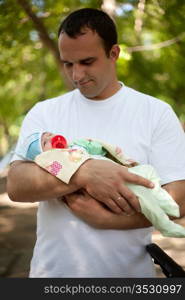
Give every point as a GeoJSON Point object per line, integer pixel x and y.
{"type": "Point", "coordinates": [106, 181]}
{"type": "Point", "coordinates": [88, 209]}
{"type": "Point", "coordinates": [97, 215]}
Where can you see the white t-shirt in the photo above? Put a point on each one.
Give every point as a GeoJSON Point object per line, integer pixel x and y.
{"type": "Point", "coordinates": [149, 132]}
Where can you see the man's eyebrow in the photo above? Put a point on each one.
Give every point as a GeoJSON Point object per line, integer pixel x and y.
{"type": "Point", "coordinates": [88, 60]}
{"type": "Point", "coordinates": [81, 60]}
{"type": "Point", "coordinates": [64, 61]}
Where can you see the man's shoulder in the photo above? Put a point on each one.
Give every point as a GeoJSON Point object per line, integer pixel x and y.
{"type": "Point", "coordinates": [145, 99]}
{"type": "Point", "coordinates": [51, 106]}
{"type": "Point", "coordinates": [57, 101]}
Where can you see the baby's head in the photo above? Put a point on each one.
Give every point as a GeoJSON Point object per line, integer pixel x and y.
{"type": "Point", "coordinates": [39, 142]}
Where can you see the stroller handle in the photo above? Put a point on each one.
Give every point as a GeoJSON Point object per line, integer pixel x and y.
{"type": "Point", "coordinates": [169, 267]}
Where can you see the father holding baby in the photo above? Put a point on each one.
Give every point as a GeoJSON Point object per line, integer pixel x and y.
{"type": "Point", "coordinates": [99, 230]}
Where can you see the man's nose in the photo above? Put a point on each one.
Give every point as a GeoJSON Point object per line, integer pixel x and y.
{"type": "Point", "coordinates": [78, 72]}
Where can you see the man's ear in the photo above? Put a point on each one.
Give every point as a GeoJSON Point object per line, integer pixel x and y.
{"type": "Point", "coordinates": [114, 52]}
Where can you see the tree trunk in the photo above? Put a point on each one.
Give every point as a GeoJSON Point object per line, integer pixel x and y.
{"type": "Point", "coordinates": [44, 37]}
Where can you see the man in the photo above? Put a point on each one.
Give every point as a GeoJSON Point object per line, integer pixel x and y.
{"type": "Point", "coordinates": [81, 237]}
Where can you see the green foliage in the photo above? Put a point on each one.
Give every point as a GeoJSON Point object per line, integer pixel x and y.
{"type": "Point", "coordinates": [157, 72]}
{"type": "Point", "coordinates": [29, 73]}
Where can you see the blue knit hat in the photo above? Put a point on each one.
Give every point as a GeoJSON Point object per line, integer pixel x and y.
{"type": "Point", "coordinates": [31, 146]}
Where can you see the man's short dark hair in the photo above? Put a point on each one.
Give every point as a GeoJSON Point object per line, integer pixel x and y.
{"type": "Point", "coordinates": [94, 19]}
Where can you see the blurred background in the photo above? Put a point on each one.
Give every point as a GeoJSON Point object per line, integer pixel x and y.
{"type": "Point", "coordinates": [152, 40]}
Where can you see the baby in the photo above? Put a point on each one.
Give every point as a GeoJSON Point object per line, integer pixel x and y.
{"type": "Point", "coordinates": [37, 143]}
{"type": "Point", "coordinates": [62, 159]}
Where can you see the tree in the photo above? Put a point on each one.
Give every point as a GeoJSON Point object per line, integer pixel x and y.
{"type": "Point", "coordinates": [151, 35]}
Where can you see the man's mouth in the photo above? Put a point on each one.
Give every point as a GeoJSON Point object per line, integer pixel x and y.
{"type": "Point", "coordinates": [83, 83]}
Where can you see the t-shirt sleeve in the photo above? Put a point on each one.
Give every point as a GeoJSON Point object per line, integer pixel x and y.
{"type": "Point", "coordinates": [167, 153]}
{"type": "Point", "coordinates": [31, 123]}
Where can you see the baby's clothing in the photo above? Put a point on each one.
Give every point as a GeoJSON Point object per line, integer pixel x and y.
{"type": "Point", "coordinates": [31, 146]}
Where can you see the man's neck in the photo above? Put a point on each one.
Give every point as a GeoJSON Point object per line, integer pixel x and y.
{"type": "Point", "coordinates": [107, 93]}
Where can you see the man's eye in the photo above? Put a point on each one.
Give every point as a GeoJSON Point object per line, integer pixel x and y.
{"type": "Point", "coordinates": [67, 64]}
{"type": "Point", "coordinates": [87, 63]}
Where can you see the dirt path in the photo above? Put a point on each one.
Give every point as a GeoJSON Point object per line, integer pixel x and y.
{"type": "Point", "coordinates": [17, 238]}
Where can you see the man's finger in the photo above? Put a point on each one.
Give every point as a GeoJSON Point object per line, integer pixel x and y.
{"type": "Point", "coordinates": [131, 198]}
{"type": "Point", "coordinates": [71, 199]}
{"type": "Point", "coordinates": [111, 204]}
{"type": "Point", "coordinates": [124, 204]}
{"type": "Point", "coordinates": [139, 180]}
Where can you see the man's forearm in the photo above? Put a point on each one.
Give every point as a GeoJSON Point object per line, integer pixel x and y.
{"type": "Point", "coordinates": [27, 182]}
{"type": "Point", "coordinates": [177, 190]}
{"type": "Point", "coordinates": [124, 222]}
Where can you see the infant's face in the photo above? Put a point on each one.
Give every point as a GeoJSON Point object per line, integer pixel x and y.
{"type": "Point", "coordinates": [46, 141]}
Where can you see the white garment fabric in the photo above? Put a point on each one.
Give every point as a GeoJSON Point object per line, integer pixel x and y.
{"type": "Point", "coordinates": [147, 130]}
